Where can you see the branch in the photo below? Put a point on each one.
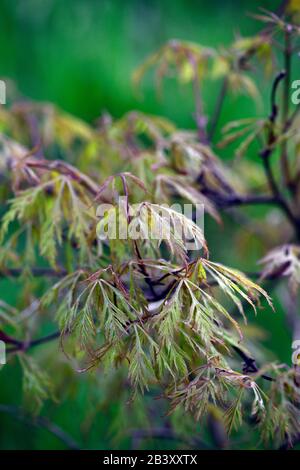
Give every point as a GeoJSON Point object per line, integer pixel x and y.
{"type": "Point", "coordinates": [23, 346]}
{"type": "Point", "coordinates": [267, 152]}
{"type": "Point", "coordinates": [249, 365]}
{"type": "Point", "coordinates": [48, 272]}
{"type": "Point", "coordinates": [240, 199]}
{"type": "Point", "coordinates": [36, 272]}
{"type": "Point", "coordinates": [65, 169]}
{"type": "Point", "coordinates": [207, 284]}
{"type": "Point", "coordinates": [201, 120]}
{"type": "Point", "coordinates": [42, 422]}
{"type": "Point", "coordinates": [26, 345]}
{"type": "Point", "coordinates": [144, 271]}
{"type": "Point", "coordinates": [218, 109]}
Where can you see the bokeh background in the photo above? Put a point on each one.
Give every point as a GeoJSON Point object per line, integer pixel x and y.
{"type": "Point", "coordinates": [80, 54]}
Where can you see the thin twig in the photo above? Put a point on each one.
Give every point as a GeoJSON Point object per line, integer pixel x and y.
{"type": "Point", "coordinates": [286, 100]}
{"type": "Point", "coordinates": [144, 271]}
{"type": "Point", "coordinates": [36, 272]}
{"type": "Point", "coordinates": [201, 120]}
{"type": "Point", "coordinates": [26, 345]}
{"type": "Point", "coordinates": [267, 152]}
{"type": "Point", "coordinates": [218, 109]}
{"type": "Point", "coordinates": [249, 365]}
{"type": "Point", "coordinates": [65, 168]}
{"type": "Point", "coordinates": [41, 422]}
{"type": "Point", "coordinates": [236, 199]}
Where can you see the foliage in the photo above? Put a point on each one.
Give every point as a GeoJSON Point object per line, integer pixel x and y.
{"type": "Point", "coordinates": [161, 318]}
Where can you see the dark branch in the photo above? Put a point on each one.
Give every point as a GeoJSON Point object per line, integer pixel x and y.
{"type": "Point", "coordinates": [22, 346]}
{"type": "Point", "coordinates": [241, 200]}
{"type": "Point", "coordinates": [249, 365]}
{"type": "Point", "coordinates": [36, 272]}
{"type": "Point", "coordinates": [42, 422]}
{"type": "Point", "coordinates": [267, 152]}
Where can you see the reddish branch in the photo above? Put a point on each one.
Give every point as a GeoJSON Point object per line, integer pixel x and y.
{"type": "Point", "coordinates": [65, 169]}
{"type": "Point", "coordinates": [23, 346]}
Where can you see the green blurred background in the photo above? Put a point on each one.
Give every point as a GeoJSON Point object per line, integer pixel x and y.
{"type": "Point", "coordinates": [80, 54]}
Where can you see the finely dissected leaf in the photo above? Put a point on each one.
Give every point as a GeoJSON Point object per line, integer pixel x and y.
{"type": "Point", "coordinates": [145, 309]}
{"type": "Point", "coordinates": [187, 59]}
{"type": "Point", "coordinates": [233, 415]}
{"type": "Point", "coordinates": [49, 215]}
{"type": "Point", "coordinates": [232, 280]}
{"type": "Point", "coordinates": [165, 224]}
